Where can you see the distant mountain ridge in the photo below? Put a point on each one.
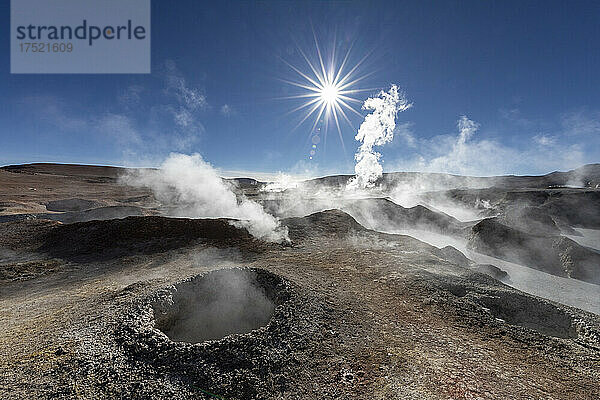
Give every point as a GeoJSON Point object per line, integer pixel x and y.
{"type": "Point", "coordinates": [585, 176]}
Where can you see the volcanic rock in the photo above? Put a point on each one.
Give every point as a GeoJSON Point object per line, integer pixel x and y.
{"type": "Point", "coordinates": [491, 270]}
{"type": "Point", "coordinates": [552, 254]}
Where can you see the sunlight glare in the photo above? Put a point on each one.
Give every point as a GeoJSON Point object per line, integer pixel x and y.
{"type": "Point", "coordinates": [329, 95]}
{"type": "Point", "coordinates": [328, 88]}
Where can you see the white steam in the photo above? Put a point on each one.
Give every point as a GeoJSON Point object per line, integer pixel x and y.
{"type": "Point", "coordinates": [460, 155]}
{"type": "Point", "coordinates": [281, 183]}
{"type": "Point", "coordinates": [191, 187]}
{"type": "Point", "coordinates": [376, 130]}
{"type": "Point", "coordinates": [467, 154]}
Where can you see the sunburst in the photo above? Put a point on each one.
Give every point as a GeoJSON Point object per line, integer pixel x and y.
{"type": "Point", "coordinates": [329, 87]}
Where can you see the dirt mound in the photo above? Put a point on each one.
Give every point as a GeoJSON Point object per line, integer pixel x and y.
{"type": "Point", "coordinates": [325, 223]}
{"type": "Point", "coordinates": [24, 234]}
{"type": "Point", "coordinates": [111, 212]}
{"type": "Point", "coordinates": [66, 170]}
{"type": "Point", "coordinates": [530, 312]}
{"type": "Point", "coordinates": [242, 366]}
{"type": "Point", "coordinates": [579, 209]}
{"type": "Point", "coordinates": [556, 255]}
{"type": "Point", "coordinates": [491, 270]}
{"type": "Point", "coordinates": [19, 217]}
{"type": "Point", "coordinates": [385, 213]}
{"type": "Point", "coordinates": [142, 235]}
{"type": "Point", "coordinates": [454, 255]}
{"type": "Point", "coordinates": [21, 271]}
{"type": "Point", "coordinates": [530, 219]}
{"type": "Point", "coordinates": [587, 175]}
{"type": "Point", "coordinates": [579, 262]}
{"type": "Point", "coordinates": [566, 206]}
{"type": "Point", "coordinates": [74, 204]}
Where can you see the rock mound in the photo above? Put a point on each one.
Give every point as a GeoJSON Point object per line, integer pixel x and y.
{"type": "Point", "coordinates": [530, 219]}
{"type": "Point", "coordinates": [454, 255]}
{"type": "Point", "coordinates": [66, 170]}
{"type": "Point", "coordinates": [531, 313]}
{"type": "Point", "coordinates": [324, 223]}
{"type": "Point", "coordinates": [146, 235]}
{"type": "Point", "coordinates": [382, 212]}
{"type": "Point", "coordinates": [491, 270]}
{"type": "Point", "coordinates": [579, 208]}
{"type": "Point", "coordinates": [556, 255]}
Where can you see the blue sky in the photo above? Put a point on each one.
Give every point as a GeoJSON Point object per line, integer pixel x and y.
{"type": "Point", "coordinates": [525, 72]}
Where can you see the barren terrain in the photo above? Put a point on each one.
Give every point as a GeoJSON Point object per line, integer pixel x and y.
{"type": "Point", "coordinates": [104, 294]}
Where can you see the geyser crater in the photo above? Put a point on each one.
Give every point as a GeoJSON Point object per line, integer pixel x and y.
{"type": "Point", "coordinates": [219, 303]}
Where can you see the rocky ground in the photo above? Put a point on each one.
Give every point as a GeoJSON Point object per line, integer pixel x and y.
{"type": "Point", "coordinates": [89, 306]}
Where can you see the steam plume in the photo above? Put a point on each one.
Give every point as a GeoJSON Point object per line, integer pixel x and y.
{"type": "Point", "coordinates": [376, 130]}
{"type": "Point", "coordinates": [192, 188]}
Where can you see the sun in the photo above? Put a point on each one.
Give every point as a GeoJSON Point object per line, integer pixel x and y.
{"type": "Point", "coordinates": [329, 94]}
{"type": "Point", "coordinates": [327, 89]}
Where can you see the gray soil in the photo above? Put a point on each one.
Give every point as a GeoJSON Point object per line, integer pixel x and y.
{"type": "Point", "coordinates": [153, 307]}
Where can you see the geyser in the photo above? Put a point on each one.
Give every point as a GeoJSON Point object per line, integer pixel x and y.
{"type": "Point", "coordinates": [217, 304]}
{"type": "Point", "coordinates": [377, 129]}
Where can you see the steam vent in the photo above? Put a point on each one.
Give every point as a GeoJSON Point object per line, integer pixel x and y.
{"type": "Point", "coordinates": [317, 200]}
{"type": "Point", "coordinates": [488, 288]}
{"type": "Point", "coordinates": [217, 304]}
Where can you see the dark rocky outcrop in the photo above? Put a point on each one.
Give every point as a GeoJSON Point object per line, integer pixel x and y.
{"type": "Point", "coordinates": [556, 255]}
{"type": "Point", "coordinates": [329, 223]}
{"type": "Point", "coordinates": [491, 270]}
{"type": "Point", "coordinates": [388, 215]}
{"type": "Point", "coordinates": [103, 240]}
{"type": "Point", "coordinates": [579, 208]}
{"type": "Point", "coordinates": [530, 219]}
{"type": "Point", "coordinates": [456, 256]}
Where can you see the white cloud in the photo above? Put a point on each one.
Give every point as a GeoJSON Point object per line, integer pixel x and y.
{"type": "Point", "coordinates": [183, 118]}
{"type": "Point", "coordinates": [306, 169]}
{"type": "Point", "coordinates": [131, 96]}
{"type": "Point", "coordinates": [515, 116]}
{"type": "Point", "coordinates": [189, 97]}
{"type": "Point", "coordinates": [544, 140]}
{"type": "Point", "coordinates": [227, 110]}
{"type": "Point", "coordinates": [581, 123]}
{"type": "Point", "coordinates": [142, 125]}
{"type": "Point", "coordinates": [459, 157]}
{"type": "Point", "coordinates": [185, 111]}
{"type": "Point", "coordinates": [464, 154]}
{"type": "Point", "coordinates": [56, 112]}
{"type": "Point", "coordinates": [119, 127]}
